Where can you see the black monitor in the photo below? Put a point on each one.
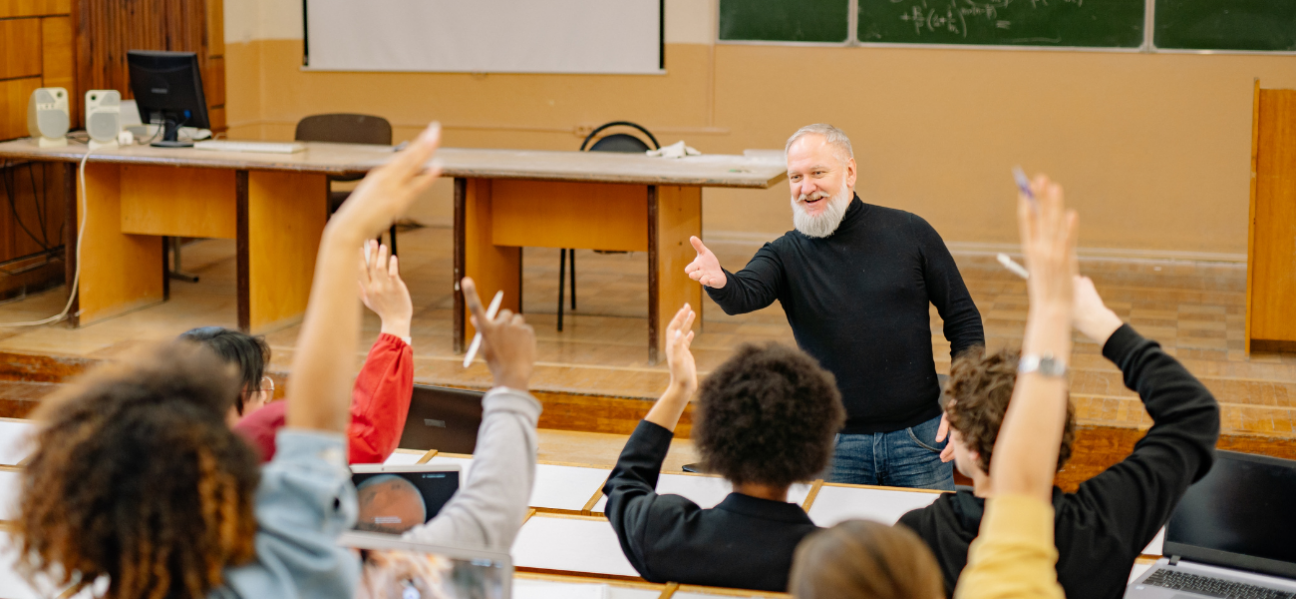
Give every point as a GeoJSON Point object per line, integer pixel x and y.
{"type": "Point", "coordinates": [1239, 515]}
{"type": "Point", "coordinates": [168, 88]}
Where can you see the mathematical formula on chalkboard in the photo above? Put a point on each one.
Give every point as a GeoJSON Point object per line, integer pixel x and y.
{"type": "Point", "coordinates": [959, 18]}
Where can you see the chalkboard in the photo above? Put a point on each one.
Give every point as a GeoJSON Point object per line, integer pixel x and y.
{"type": "Point", "coordinates": [1225, 25]}
{"type": "Point", "coordinates": [785, 20]}
{"type": "Point", "coordinates": [1066, 23]}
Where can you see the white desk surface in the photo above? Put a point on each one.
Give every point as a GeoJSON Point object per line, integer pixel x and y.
{"type": "Point", "coordinates": [14, 440]}
{"type": "Point", "coordinates": [706, 491]}
{"type": "Point", "coordinates": [404, 457]}
{"type": "Point", "coordinates": [570, 544]}
{"type": "Point", "coordinates": [837, 503]}
{"type": "Point", "coordinates": [557, 487]}
{"type": "Point", "coordinates": [524, 588]}
{"type": "Point", "coordinates": [10, 488]}
{"type": "Point", "coordinates": [713, 170]}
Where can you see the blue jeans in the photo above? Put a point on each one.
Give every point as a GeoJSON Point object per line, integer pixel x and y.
{"type": "Point", "coordinates": [909, 457]}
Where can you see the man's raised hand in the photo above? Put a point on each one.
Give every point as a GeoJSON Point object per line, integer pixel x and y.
{"type": "Point", "coordinates": [508, 343]}
{"type": "Point", "coordinates": [679, 337]}
{"type": "Point", "coordinates": [387, 192]}
{"type": "Point", "coordinates": [705, 269]}
{"type": "Point", "coordinates": [1090, 315]}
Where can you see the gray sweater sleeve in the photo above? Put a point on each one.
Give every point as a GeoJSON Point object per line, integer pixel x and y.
{"type": "Point", "coordinates": [488, 510]}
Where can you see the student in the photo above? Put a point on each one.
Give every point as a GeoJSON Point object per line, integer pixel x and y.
{"type": "Point", "coordinates": [765, 420]}
{"type": "Point", "coordinates": [250, 355]}
{"type": "Point", "coordinates": [135, 475]}
{"type": "Point", "coordinates": [1105, 524]}
{"type": "Point", "coordinates": [865, 559]}
{"type": "Point", "coordinates": [381, 396]}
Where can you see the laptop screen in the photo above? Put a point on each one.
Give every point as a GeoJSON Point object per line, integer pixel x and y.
{"type": "Point", "coordinates": [1239, 515]}
{"type": "Point", "coordinates": [397, 499]}
{"type": "Point", "coordinates": [395, 569]}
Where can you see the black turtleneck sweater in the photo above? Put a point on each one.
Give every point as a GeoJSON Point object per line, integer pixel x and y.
{"type": "Point", "coordinates": [857, 301]}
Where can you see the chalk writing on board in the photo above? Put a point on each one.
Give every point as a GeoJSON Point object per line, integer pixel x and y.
{"type": "Point", "coordinates": [958, 17]}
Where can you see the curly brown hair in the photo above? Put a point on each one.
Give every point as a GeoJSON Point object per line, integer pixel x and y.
{"type": "Point", "coordinates": [865, 559]}
{"type": "Point", "coordinates": [136, 476]}
{"type": "Point", "coordinates": [768, 416]}
{"type": "Point", "coordinates": [980, 386]}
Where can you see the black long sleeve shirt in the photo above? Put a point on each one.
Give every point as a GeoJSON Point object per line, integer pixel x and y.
{"type": "Point", "coordinates": [745, 542]}
{"type": "Point", "coordinates": [1102, 527]}
{"type": "Point", "coordinates": [858, 301]}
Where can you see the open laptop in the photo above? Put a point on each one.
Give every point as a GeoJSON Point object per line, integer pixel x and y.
{"type": "Point", "coordinates": [443, 418]}
{"type": "Point", "coordinates": [394, 499]}
{"type": "Point", "coordinates": [1232, 535]}
{"type": "Point", "coordinates": [396, 569]}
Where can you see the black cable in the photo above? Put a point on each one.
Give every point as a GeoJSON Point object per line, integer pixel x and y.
{"type": "Point", "coordinates": [10, 184]}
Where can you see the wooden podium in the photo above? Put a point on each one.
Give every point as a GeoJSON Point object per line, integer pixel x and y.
{"type": "Point", "coordinates": [1271, 241]}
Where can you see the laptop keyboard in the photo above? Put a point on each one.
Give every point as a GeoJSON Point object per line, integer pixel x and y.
{"type": "Point", "coordinates": [1213, 587]}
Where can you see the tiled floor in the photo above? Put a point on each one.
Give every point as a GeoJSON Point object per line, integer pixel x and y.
{"type": "Point", "coordinates": [1194, 309]}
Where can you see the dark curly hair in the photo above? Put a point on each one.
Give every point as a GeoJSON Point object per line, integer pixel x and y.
{"type": "Point", "coordinates": [863, 558]}
{"type": "Point", "coordinates": [768, 416]}
{"type": "Point", "coordinates": [136, 476]}
{"type": "Point", "coordinates": [980, 386]}
{"type": "Point", "coordinates": [249, 353]}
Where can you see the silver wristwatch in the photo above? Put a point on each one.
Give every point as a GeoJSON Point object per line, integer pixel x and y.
{"type": "Point", "coordinates": [1044, 365]}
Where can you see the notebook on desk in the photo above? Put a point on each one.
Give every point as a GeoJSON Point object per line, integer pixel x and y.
{"type": "Point", "coordinates": [1230, 536]}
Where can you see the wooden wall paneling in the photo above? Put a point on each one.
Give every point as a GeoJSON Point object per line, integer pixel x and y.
{"type": "Point", "coordinates": [678, 216]}
{"type": "Point", "coordinates": [180, 202]}
{"type": "Point", "coordinates": [119, 272]}
{"type": "Point", "coordinates": [58, 62]}
{"type": "Point", "coordinates": [560, 214]}
{"type": "Point", "coordinates": [13, 106]}
{"type": "Point", "coordinates": [215, 28]}
{"type": "Point", "coordinates": [20, 42]}
{"type": "Point", "coordinates": [38, 198]}
{"type": "Point", "coordinates": [214, 81]}
{"type": "Point", "coordinates": [1274, 246]}
{"type": "Point", "coordinates": [33, 8]}
{"type": "Point", "coordinates": [285, 219]}
{"type": "Point", "coordinates": [1255, 147]}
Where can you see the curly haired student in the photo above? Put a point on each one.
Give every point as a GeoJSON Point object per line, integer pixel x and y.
{"type": "Point", "coordinates": [765, 420]}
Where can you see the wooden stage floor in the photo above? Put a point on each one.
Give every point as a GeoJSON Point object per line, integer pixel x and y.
{"type": "Point", "coordinates": [1194, 309]}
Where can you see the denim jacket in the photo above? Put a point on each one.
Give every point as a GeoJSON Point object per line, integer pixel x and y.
{"type": "Point", "coordinates": [305, 501]}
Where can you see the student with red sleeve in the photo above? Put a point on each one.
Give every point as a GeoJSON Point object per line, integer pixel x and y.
{"type": "Point", "coordinates": [381, 396]}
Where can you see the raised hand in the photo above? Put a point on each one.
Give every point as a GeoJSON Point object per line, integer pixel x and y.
{"type": "Point", "coordinates": [508, 343]}
{"type": "Point", "coordinates": [383, 291]}
{"type": "Point", "coordinates": [705, 269]}
{"type": "Point", "coordinates": [679, 337]}
{"type": "Point", "coordinates": [1090, 315]}
{"type": "Point", "coordinates": [1048, 233]}
{"type": "Point", "coordinates": [387, 192]}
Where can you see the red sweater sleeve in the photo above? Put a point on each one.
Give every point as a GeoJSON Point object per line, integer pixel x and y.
{"type": "Point", "coordinates": [380, 400]}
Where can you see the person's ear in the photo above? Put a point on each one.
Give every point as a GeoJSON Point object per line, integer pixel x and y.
{"type": "Point", "coordinates": [850, 173]}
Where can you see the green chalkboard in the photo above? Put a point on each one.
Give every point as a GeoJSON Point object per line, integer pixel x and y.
{"type": "Point", "coordinates": [1073, 23]}
{"type": "Point", "coordinates": [785, 20]}
{"type": "Point", "coordinates": [1225, 25]}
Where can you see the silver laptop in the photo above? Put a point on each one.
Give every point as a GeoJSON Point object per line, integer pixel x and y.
{"type": "Point", "coordinates": [1232, 535]}
{"type": "Point", "coordinates": [396, 569]}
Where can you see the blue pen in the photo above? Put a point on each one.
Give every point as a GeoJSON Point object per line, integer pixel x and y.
{"type": "Point", "coordinates": [1023, 183]}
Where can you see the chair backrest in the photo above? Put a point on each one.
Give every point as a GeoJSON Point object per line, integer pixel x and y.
{"type": "Point", "coordinates": [620, 142]}
{"type": "Point", "coordinates": [345, 128]}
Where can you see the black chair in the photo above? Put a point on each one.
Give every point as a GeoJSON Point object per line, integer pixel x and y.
{"type": "Point", "coordinates": [615, 142]}
{"type": "Point", "coordinates": [349, 129]}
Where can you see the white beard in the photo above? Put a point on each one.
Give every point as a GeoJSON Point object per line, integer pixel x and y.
{"type": "Point", "coordinates": [825, 223]}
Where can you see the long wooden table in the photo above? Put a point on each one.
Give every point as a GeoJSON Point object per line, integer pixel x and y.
{"type": "Point", "coordinates": [275, 206]}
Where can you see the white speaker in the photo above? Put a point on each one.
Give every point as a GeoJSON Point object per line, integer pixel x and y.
{"type": "Point", "coordinates": [47, 116]}
{"type": "Point", "coordinates": [103, 117]}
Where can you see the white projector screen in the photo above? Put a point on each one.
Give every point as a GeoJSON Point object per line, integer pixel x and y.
{"type": "Point", "coordinates": [485, 36]}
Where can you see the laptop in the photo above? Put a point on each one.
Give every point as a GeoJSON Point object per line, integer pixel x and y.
{"type": "Point", "coordinates": [443, 418]}
{"type": "Point", "coordinates": [394, 499]}
{"type": "Point", "coordinates": [396, 569]}
{"type": "Point", "coordinates": [1232, 535]}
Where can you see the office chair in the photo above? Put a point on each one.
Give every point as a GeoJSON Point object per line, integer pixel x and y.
{"type": "Point", "coordinates": [349, 129]}
{"type": "Point", "coordinates": [616, 142]}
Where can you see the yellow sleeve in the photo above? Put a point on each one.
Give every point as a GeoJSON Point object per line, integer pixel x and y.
{"type": "Point", "coordinates": [1014, 557]}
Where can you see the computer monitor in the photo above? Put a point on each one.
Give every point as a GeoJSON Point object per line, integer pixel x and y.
{"type": "Point", "coordinates": [168, 88]}
{"type": "Point", "coordinates": [1239, 515]}
{"type": "Point", "coordinates": [392, 567]}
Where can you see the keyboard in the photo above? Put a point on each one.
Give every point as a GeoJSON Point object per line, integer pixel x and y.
{"type": "Point", "coordinates": [268, 147]}
{"type": "Point", "coordinates": [1212, 587]}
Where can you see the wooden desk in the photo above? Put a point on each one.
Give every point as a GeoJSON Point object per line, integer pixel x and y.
{"type": "Point", "coordinates": [275, 206]}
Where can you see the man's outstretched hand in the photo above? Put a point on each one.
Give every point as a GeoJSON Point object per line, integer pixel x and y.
{"type": "Point", "coordinates": [383, 291]}
{"type": "Point", "coordinates": [508, 343]}
{"type": "Point", "coordinates": [705, 269]}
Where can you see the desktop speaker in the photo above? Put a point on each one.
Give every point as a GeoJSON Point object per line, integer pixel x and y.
{"type": "Point", "coordinates": [47, 116]}
{"type": "Point", "coordinates": [103, 117]}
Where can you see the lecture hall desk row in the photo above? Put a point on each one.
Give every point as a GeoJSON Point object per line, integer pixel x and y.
{"type": "Point", "coordinates": [275, 207]}
{"type": "Point", "coordinates": [566, 532]}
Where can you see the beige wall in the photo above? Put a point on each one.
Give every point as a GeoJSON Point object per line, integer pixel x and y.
{"type": "Point", "coordinates": [1154, 148]}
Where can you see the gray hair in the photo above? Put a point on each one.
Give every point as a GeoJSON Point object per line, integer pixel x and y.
{"type": "Point", "coordinates": [834, 136]}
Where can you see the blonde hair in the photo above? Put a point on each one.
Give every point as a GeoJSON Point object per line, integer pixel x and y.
{"type": "Point", "coordinates": [834, 136]}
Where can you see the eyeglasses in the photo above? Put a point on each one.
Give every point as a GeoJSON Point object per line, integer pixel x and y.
{"type": "Point", "coordinates": [267, 385]}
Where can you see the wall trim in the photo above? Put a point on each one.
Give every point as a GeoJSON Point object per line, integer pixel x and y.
{"type": "Point", "coordinates": [976, 248]}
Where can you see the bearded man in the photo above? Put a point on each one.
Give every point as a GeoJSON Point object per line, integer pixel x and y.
{"type": "Point", "coordinates": [855, 281]}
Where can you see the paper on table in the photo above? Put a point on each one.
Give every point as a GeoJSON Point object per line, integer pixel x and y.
{"type": "Point", "coordinates": [544, 589]}
{"type": "Point", "coordinates": [570, 545]}
{"type": "Point", "coordinates": [835, 504]}
{"type": "Point", "coordinates": [403, 457]}
{"type": "Point", "coordinates": [1157, 546]}
{"type": "Point", "coordinates": [15, 441]}
{"type": "Point", "coordinates": [10, 489]}
{"type": "Point", "coordinates": [706, 491]}
{"type": "Point", "coordinates": [556, 487]}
